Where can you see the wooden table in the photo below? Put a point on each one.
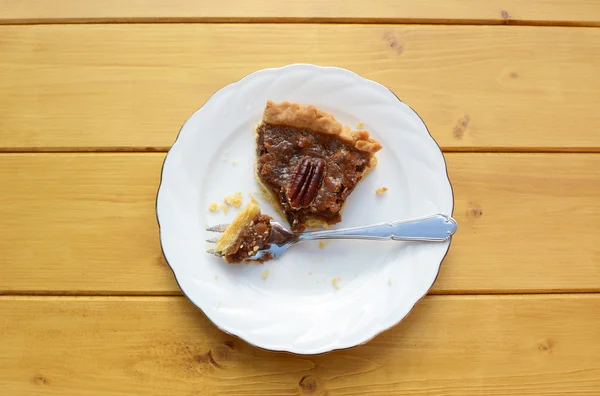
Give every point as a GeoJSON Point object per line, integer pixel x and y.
{"type": "Point", "coordinates": [92, 94]}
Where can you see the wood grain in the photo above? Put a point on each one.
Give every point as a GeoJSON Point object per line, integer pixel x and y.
{"type": "Point", "coordinates": [525, 222]}
{"type": "Point", "coordinates": [81, 222]}
{"type": "Point", "coordinates": [449, 345]}
{"type": "Point", "coordinates": [574, 12]}
{"type": "Point", "coordinates": [85, 223]}
{"type": "Point", "coordinates": [130, 87]}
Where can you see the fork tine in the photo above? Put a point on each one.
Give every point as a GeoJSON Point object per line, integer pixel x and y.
{"type": "Point", "coordinates": [214, 253]}
{"type": "Point", "coordinates": [212, 240]}
{"type": "Point", "coordinates": [218, 228]}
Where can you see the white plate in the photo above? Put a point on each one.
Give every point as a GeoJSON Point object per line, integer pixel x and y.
{"type": "Point", "coordinates": [297, 308]}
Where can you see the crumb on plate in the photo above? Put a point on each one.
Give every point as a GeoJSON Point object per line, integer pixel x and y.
{"type": "Point", "coordinates": [360, 125]}
{"type": "Point", "coordinates": [335, 284]}
{"type": "Point", "coordinates": [213, 207]}
{"type": "Point", "coordinates": [264, 274]}
{"type": "Point", "coordinates": [322, 244]}
{"type": "Point", "coordinates": [224, 207]}
{"type": "Point", "coordinates": [381, 190]}
{"type": "Point", "coordinates": [251, 195]}
{"type": "Point", "coordinates": [234, 162]}
{"type": "Point", "coordinates": [234, 199]}
{"type": "Point", "coordinates": [258, 194]}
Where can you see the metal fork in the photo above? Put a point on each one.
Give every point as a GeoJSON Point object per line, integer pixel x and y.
{"type": "Point", "coordinates": [436, 228]}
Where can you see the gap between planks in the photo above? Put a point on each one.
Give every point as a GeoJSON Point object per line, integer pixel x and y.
{"type": "Point", "coordinates": [300, 20]}
{"type": "Point", "coordinates": [7, 294]}
{"type": "Point", "coordinates": [509, 296]}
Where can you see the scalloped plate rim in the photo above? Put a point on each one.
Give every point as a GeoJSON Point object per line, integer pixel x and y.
{"type": "Point", "coordinates": [177, 142]}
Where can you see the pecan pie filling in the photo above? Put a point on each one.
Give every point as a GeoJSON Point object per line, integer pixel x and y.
{"type": "Point", "coordinates": [313, 174]}
{"type": "Point", "coordinates": [309, 164]}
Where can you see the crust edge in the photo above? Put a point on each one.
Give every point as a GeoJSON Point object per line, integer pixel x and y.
{"type": "Point", "coordinates": [309, 117]}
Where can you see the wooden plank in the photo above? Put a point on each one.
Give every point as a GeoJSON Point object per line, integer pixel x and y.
{"type": "Point", "coordinates": [575, 12]}
{"type": "Point", "coordinates": [449, 345]}
{"type": "Point", "coordinates": [524, 223]}
{"type": "Point", "coordinates": [130, 87]}
{"type": "Point", "coordinates": [85, 223]}
{"type": "Point", "coordinates": [81, 223]}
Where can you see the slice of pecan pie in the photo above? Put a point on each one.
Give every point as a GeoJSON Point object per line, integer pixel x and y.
{"type": "Point", "coordinates": [308, 163]}
{"type": "Point", "coordinates": [247, 233]}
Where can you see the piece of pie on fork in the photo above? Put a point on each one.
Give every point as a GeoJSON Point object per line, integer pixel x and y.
{"type": "Point", "coordinates": [249, 232]}
{"type": "Point", "coordinates": [307, 163]}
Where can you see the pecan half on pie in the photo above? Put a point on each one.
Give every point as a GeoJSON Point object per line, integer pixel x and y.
{"type": "Point", "coordinates": [247, 233]}
{"type": "Point", "coordinates": [308, 163]}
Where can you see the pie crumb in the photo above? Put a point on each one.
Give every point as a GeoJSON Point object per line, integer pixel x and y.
{"type": "Point", "coordinates": [264, 274]}
{"type": "Point", "coordinates": [259, 194]}
{"type": "Point", "coordinates": [234, 199]}
{"type": "Point", "coordinates": [381, 190]}
{"type": "Point", "coordinates": [234, 162]}
{"type": "Point", "coordinates": [252, 199]}
{"type": "Point", "coordinates": [334, 282]}
{"type": "Point", "coordinates": [213, 207]}
{"type": "Point", "coordinates": [322, 244]}
{"type": "Point", "coordinates": [360, 125]}
{"type": "Point", "coordinates": [389, 281]}
{"type": "Point", "coordinates": [224, 207]}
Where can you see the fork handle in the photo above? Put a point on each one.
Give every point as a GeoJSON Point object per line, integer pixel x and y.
{"type": "Point", "coordinates": [436, 228]}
